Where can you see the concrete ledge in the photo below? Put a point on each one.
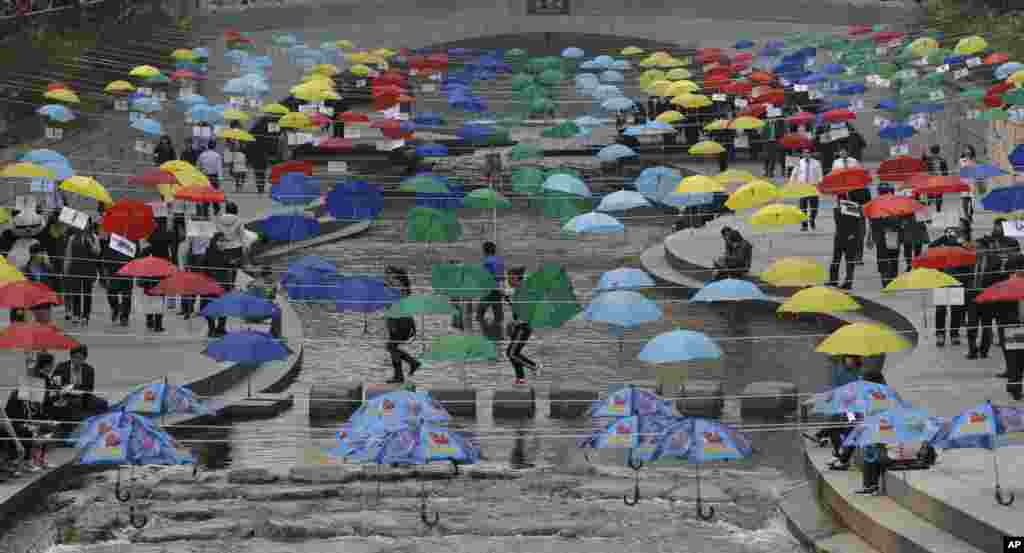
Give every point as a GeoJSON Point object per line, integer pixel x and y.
{"type": "Point", "coordinates": [514, 404]}
{"type": "Point", "coordinates": [346, 232]}
{"type": "Point", "coordinates": [777, 399]}
{"type": "Point", "coordinates": [806, 519]}
{"type": "Point", "coordinates": [703, 398]}
{"type": "Point", "coordinates": [571, 404]}
{"type": "Point", "coordinates": [334, 403]}
{"type": "Point", "coordinates": [259, 406]}
{"type": "Point", "coordinates": [460, 402]}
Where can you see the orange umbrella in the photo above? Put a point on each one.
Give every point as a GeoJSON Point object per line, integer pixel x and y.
{"type": "Point", "coordinates": [200, 194]}
{"type": "Point", "coordinates": [187, 283]}
{"type": "Point", "coordinates": [934, 184]}
{"type": "Point", "coordinates": [891, 205]}
{"type": "Point", "coordinates": [900, 168]}
{"type": "Point", "coordinates": [844, 180]}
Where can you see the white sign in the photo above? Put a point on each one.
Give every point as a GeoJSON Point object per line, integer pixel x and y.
{"type": "Point", "coordinates": [121, 105]}
{"type": "Point", "coordinates": [144, 147]}
{"type": "Point", "coordinates": [273, 127]}
{"type": "Point", "coordinates": [73, 218]}
{"type": "Point", "coordinates": [884, 83]}
{"type": "Point", "coordinates": [973, 62]}
{"type": "Point", "coordinates": [774, 112]}
{"type": "Point", "coordinates": [740, 103]}
{"type": "Point", "coordinates": [850, 209]}
{"type": "Point", "coordinates": [899, 150]}
{"type": "Point", "coordinates": [307, 108]}
{"type": "Point", "coordinates": [351, 132]}
{"type": "Point", "coordinates": [755, 92]}
{"type": "Point", "coordinates": [200, 229]}
{"type": "Point", "coordinates": [838, 135]}
{"type": "Point", "coordinates": [944, 68]}
{"type": "Point", "coordinates": [159, 209]}
{"type": "Point", "coordinates": [54, 133]}
{"type": "Point", "coordinates": [814, 95]}
{"type": "Point", "coordinates": [741, 141]}
{"type": "Point", "coordinates": [122, 245]}
{"type": "Point", "coordinates": [429, 87]}
{"type": "Point", "coordinates": [361, 83]}
{"type": "Point", "coordinates": [337, 167]}
{"type": "Point", "coordinates": [389, 145]}
{"type": "Point", "coordinates": [1014, 229]}
{"type": "Point", "coordinates": [961, 74]}
{"type": "Point", "coordinates": [800, 87]}
{"type": "Point", "coordinates": [718, 97]}
{"type": "Point", "coordinates": [948, 296]}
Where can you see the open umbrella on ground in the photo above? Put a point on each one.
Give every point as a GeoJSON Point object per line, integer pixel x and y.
{"type": "Point", "coordinates": [355, 200]}
{"type": "Point", "coordinates": [890, 205]}
{"type": "Point", "coordinates": [34, 337]}
{"type": "Point", "coordinates": [622, 308]}
{"type": "Point", "coordinates": [161, 398]}
{"type": "Point", "coordinates": [795, 272]}
{"type": "Point", "coordinates": [863, 339]}
{"type": "Point", "coordinates": [187, 283]}
{"type": "Point", "coordinates": [728, 290]}
{"type": "Point", "coordinates": [288, 228]}
{"type": "Point", "coordinates": [148, 267]}
{"type": "Point", "coordinates": [845, 180]}
{"type": "Point", "coordinates": [1009, 290]}
{"type": "Point", "coordinates": [636, 433]}
{"type": "Point", "coordinates": [295, 189]}
{"type": "Point", "coordinates": [946, 257]}
{"type": "Point", "coordinates": [26, 294]}
{"type": "Point", "coordinates": [819, 299]}
{"type": "Point", "coordinates": [546, 298]}
{"type": "Point", "coordinates": [679, 345]}
{"type": "Point", "coordinates": [1005, 200]}
{"type": "Point", "coordinates": [462, 280]}
{"type": "Point", "coordinates": [242, 306]}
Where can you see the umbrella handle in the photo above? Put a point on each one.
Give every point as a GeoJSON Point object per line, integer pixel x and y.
{"type": "Point", "coordinates": [455, 468]}
{"type": "Point", "coordinates": [423, 510]}
{"type": "Point", "coordinates": [1000, 499]}
{"type": "Point", "coordinates": [636, 486]}
{"type": "Point", "coordinates": [138, 522]}
{"type": "Point", "coordinates": [701, 513]}
{"type": "Point", "coordinates": [122, 497]}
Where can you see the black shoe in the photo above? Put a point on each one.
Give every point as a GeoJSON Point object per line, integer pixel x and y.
{"type": "Point", "coordinates": [414, 367]}
{"type": "Point", "coordinates": [940, 341]}
{"type": "Point", "coordinates": [124, 322]}
{"type": "Point", "coordinates": [847, 285]}
{"type": "Point", "coordinates": [159, 329]}
{"type": "Point", "coordinates": [983, 354]}
{"type": "Point", "coordinates": [955, 340]}
{"type": "Point", "coordinates": [832, 284]}
{"type": "Point", "coordinates": [1003, 375]}
{"type": "Point", "coordinates": [836, 464]}
{"type": "Point", "coordinates": [813, 227]}
{"type": "Point", "coordinates": [1017, 397]}
{"type": "Point", "coordinates": [973, 354]}
{"type": "Point", "coordinates": [870, 490]}
{"type": "Point", "coordinates": [803, 227]}
{"type": "Point", "coordinates": [395, 381]}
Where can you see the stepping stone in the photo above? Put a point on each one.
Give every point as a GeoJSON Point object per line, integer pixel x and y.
{"type": "Point", "coordinates": [768, 399]}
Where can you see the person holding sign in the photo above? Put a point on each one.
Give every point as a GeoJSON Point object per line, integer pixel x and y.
{"type": "Point", "coordinates": [860, 197]}
{"type": "Point", "coordinates": [994, 251]}
{"type": "Point", "coordinates": [951, 238]}
{"type": "Point", "coordinates": [117, 251]}
{"type": "Point", "coordinates": [80, 272]}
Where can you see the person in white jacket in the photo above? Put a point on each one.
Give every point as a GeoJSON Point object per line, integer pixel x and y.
{"type": "Point", "coordinates": [807, 171]}
{"type": "Point", "coordinates": [844, 161]}
{"type": "Point", "coordinates": [235, 239]}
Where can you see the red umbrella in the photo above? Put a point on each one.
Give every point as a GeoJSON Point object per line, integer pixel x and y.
{"type": "Point", "coordinates": [129, 218]}
{"type": "Point", "coordinates": [844, 180]}
{"type": "Point", "coordinates": [57, 86]}
{"type": "Point", "coordinates": [932, 184]}
{"type": "Point", "coordinates": [183, 75]}
{"type": "Point", "coordinates": [887, 36]}
{"type": "Point", "coordinates": [796, 141]}
{"type": "Point", "coordinates": [839, 115]}
{"type": "Point", "coordinates": [738, 88]}
{"type": "Point", "coordinates": [154, 178]}
{"type": "Point", "coordinates": [801, 118]}
{"type": "Point", "coordinates": [187, 283]}
{"type": "Point", "coordinates": [743, 57]}
{"type": "Point", "coordinates": [993, 100]}
{"type": "Point", "coordinates": [35, 337]}
{"type": "Point", "coordinates": [857, 30]}
{"type": "Point", "coordinates": [388, 90]}
{"type": "Point", "coordinates": [354, 117]}
{"type": "Point", "coordinates": [319, 119]}
{"type": "Point", "coordinates": [754, 110]}
{"type": "Point", "coordinates": [996, 58]}
{"type": "Point", "coordinates": [1000, 88]}
{"type": "Point", "coordinates": [772, 96]}
{"type": "Point", "coordinates": [900, 168]}
{"type": "Point", "coordinates": [25, 294]}
{"type": "Point", "coordinates": [336, 145]}
{"type": "Point", "coordinates": [891, 205]}
{"type": "Point", "coordinates": [761, 77]}
{"type": "Point", "coordinates": [200, 194]}
{"type": "Point", "coordinates": [294, 166]}
{"type": "Point", "coordinates": [1011, 289]}
{"type": "Point", "coordinates": [946, 257]}
{"type": "Point", "coordinates": [148, 266]}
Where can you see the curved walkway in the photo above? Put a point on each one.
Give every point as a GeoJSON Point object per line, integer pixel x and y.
{"type": "Point", "coordinates": [947, 508]}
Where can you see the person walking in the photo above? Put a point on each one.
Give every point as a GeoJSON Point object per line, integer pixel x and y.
{"type": "Point", "coordinates": [189, 154]}
{"type": "Point", "coordinates": [936, 166]}
{"type": "Point", "coordinates": [886, 234]}
{"type": "Point", "coordinates": [164, 151]}
{"type": "Point", "coordinates": [861, 196]}
{"type": "Point", "coordinates": [257, 156]}
{"type": "Point", "coordinates": [807, 171]}
{"type": "Point", "coordinates": [400, 329]}
{"type": "Point", "coordinates": [773, 152]}
{"type": "Point", "coordinates": [968, 159]}
{"type": "Point", "coordinates": [955, 313]}
{"type": "Point", "coordinates": [994, 251]}
{"type": "Point", "coordinates": [191, 258]}
{"type": "Point", "coordinates": [1013, 338]}
{"type": "Point", "coordinates": [519, 333]}
{"type": "Point", "coordinates": [239, 166]}
{"type": "Point", "coordinates": [119, 288]}
{"type": "Point", "coordinates": [231, 226]}
{"type": "Point", "coordinates": [219, 263]}
{"type": "Point", "coordinates": [212, 165]}
{"type": "Point", "coordinates": [493, 301]}
{"type": "Point", "coordinates": [81, 270]}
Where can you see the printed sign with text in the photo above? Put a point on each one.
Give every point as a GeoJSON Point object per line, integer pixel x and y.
{"type": "Point", "coordinates": [122, 245]}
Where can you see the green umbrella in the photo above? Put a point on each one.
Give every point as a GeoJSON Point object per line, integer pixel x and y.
{"type": "Point", "coordinates": [1015, 97]}
{"type": "Point", "coordinates": [567, 129]}
{"type": "Point", "coordinates": [934, 78]}
{"type": "Point", "coordinates": [499, 137]}
{"type": "Point", "coordinates": [936, 57]}
{"type": "Point", "coordinates": [486, 198]}
{"type": "Point", "coordinates": [462, 280]}
{"type": "Point", "coordinates": [546, 298]}
{"type": "Point", "coordinates": [563, 171]}
{"type": "Point", "coordinates": [522, 80]}
{"type": "Point", "coordinates": [974, 93]}
{"type": "Point", "coordinates": [427, 224]}
{"type": "Point", "coordinates": [997, 114]}
{"type": "Point", "coordinates": [424, 185]}
{"type": "Point", "coordinates": [420, 304]}
{"type": "Point", "coordinates": [527, 180]}
{"type": "Point", "coordinates": [541, 106]}
{"type": "Point", "coordinates": [551, 77]}
{"type": "Point", "coordinates": [463, 348]}
{"type": "Point", "coordinates": [561, 206]}
{"type": "Point", "coordinates": [523, 152]}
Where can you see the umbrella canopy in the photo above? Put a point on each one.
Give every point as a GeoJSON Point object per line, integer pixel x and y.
{"type": "Point", "coordinates": [752, 194]}
{"type": "Point", "coordinates": [355, 200]}
{"type": "Point", "coordinates": [1005, 200]}
{"type": "Point", "coordinates": [247, 347]}
{"type": "Point", "coordinates": [129, 218]}
{"type": "Point", "coordinates": [921, 279]}
{"type": "Point", "coordinates": [421, 444]}
{"type": "Point", "coordinates": [946, 257]}
{"type": "Point", "coordinates": [288, 228]}
{"type": "Point", "coordinates": [899, 169]}
{"type": "Point", "coordinates": [622, 201]}
{"type": "Point", "coordinates": [295, 189]}
{"type": "Point", "coordinates": [420, 304]}
{"type": "Point", "coordinates": [148, 266]}
{"type": "Point", "coordinates": [462, 348]}
{"type": "Point", "coordinates": [638, 433]}
{"type": "Point", "coordinates": [546, 298]}
{"type": "Point", "coordinates": [891, 205]}
{"type": "Point", "coordinates": [200, 195]}
{"type": "Point", "coordinates": [679, 345]}
{"type": "Point", "coordinates": [595, 223]}
{"type": "Point", "coordinates": [819, 299]}
{"type": "Point", "coordinates": [623, 308]}
{"type": "Point", "coordinates": [777, 215]}
{"type": "Point", "coordinates": [187, 283]}
{"type": "Point", "coordinates": [462, 280]}
{"type": "Point", "coordinates": [730, 289]}
{"type": "Point", "coordinates": [794, 271]}
{"type": "Point", "coordinates": [426, 224]}
{"type": "Point", "coordinates": [486, 198]}
{"type": "Point", "coordinates": [566, 184]}
{"type": "Point", "coordinates": [932, 184]}
{"type": "Point", "coordinates": [34, 337]}
{"type": "Point", "coordinates": [1009, 290]}
{"type": "Point", "coordinates": [982, 426]}
{"type": "Point", "coordinates": [863, 339]}
{"type": "Point", "coordinates": [363, 294]}
{"type": "Point", "coordinates": [624, 279]}
{"type": "Point", "coordinates": [895, 426]}
{"type": "Point", "coordinates": [25, 294]}
{"type": "Point", "coordinates": [700, 440]}
{"type": "Point", "coordinates": [160, 398]}
{"type": "Point", "coordinates": [859, 397]}
{"type": "Point", "coordinates": [241, 305]}
{"type": "Point", "coordinates": [295, 166]}
{"type": "Point", "coordinates": [125, 438]}
{"type": "Point", "coordinates": [844, 180]}
{"type": "Point", "coordinates": [631, 401]}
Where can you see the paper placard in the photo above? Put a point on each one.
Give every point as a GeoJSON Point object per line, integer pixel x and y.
{"type": "Point", "coordinates": [973, 62]}
{"type": "Point", "coordinates": [839, 134]}
{"type": "Point", "coordinates": [200, 229]}
{"type": "Point", "coordinates": [740, 103]}
{"type": "Point", "coordinates": [144, 147]}
{"type": "Point", "coordinates": [944, 68]}
{"type": "Point", "coordinates": [774, 112]}
{"type": "Point", "coordinates": [850, 209]}
{"type": "Point", "coordinates": [814, 95]}
{"type": "Point", "coordinates": [54, 133]}
{"type": "Point", "coordinates": [273, 127]}
{"type": "Point", "coordinates": [435, 76]}
{"type": "Point", "coordinates": [134, 116]}
{"type": "Point", "coordinates": [961, 74]}
{"type": "Point", "coordinates": [351, 132]}
{"type": "Point", "coordinates": [159, 209]}
{"type": "Point", "coordinates": [936, 96]}
{"type": "Point", "coordinates": [1014, 229]}
{"type": "Point", "coordinates": [122, 245]}
{"type": "Point", "coordinates": [73, 218]}
{"type": "Point", "coordinates": [718, 98]}
{"type": "Point", "coordinates": [800, 88]}
{"type": "Point", "coordinates": [948, 296]}
{"type": "Point", "coordinates": [121, 105]}
{"type": "Point", "coordinates": [741, 141]}
{"type": "Point", "coordinates": [389, 145]}
{"type": "Point", "coordinates": [899, 150]}
{"type": "Point", "coordinates": [361, 83]}
{"type": "Point", "coordinates": [756, 91]}
{"type": "Point", "coordinates": [293, 139]}
{"type": "Point", "coordinates": [338, 167]}
{"type": "Point", "coordinates": [1013, 338]}
{"type": "Point", "coordinates": [429, 87]}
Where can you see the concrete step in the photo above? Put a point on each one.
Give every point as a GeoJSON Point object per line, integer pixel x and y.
{"type": "Point", "coordinates": [845, 542]}
{"type": "Point", "coordinates": [258, 406]}
{"type": "Point", "coordinates": [655, 262]}
{"type": "Point", "coordinates": [879, 520]}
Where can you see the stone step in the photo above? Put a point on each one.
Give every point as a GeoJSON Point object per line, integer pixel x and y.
{"type": "Point", "coordinates": [845, 542]}
{"type": "Point", "coordinates": [259, 406]}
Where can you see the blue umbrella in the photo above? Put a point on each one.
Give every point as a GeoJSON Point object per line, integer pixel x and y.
{"type": "Point", "coordinates": [288, 228]}
{"type": "Point", "coordinates": [586, 80]}
{"type": "Point", "coordinates": [474, 133]}
{"type": "Point", "coordinates": [432, 150]}
{"type": "Point", "coordinates": [622, 200]}
{"type": "Point", "coordinates": [679, 345]}
{"type": "Point", "coordinates": [608, 92]}
{"type": "Point", "coordinates": [146, 105]}
{"type": "Point", "coordinates": [981, 171]}
{"type": "Point", "coordinates": [161, 398]}
{"type": "Point", "coordinates": [396, 410]}
{"type": "Point", "coordinates": [62, 170]}
{"type": "Point", "coordinates": [313, 263]}
{"type": "Point", "coordinates": [730, 289]}
{"type": "Point", "coordinates": [295, 189]}
{"type": "Point", "coordinates": [428, 119]}
{"type": "Point", "coordinates": [851, 89]}
{"type": "Point", "coordinates": [148, 126]}
{"type": "Point", "coordinates": [43, 156]}
{"type": "Point", "coordinates": [593, 222]}
{"type": "Point", "coordinates": [657, 182]}
{"type": "Point", "coordinates": [813, 78]}
{"type": "Point", "coordinates": [927, 108]}
{"type": "Point", "coordinates": [573, 53]}
{"type": "Point", "coordinates": [1009, 68]}
{"type": "Point", "coordinates": [355, 200]}
{"type": "Point", "coordinates": [897, 132]}
{"type": "Point", "coordinates": [611, 76]}
{"type": "Point", "coordinates": [954, 60]}
{"type": "Point", "coordinates": [623, 308]}
{"type": "Point", "coordinates": [743, 44]}
{"type": "Point", "coordinates": [193, 100]}
{"type": "Point", "coordinates": [769, 52]}
{"type": "Point", "coordinates": [305, 284]}
{"type": "Point", "coordinates": [639, 434]}
{"type": "Point", "coordinates": [56, 112]}
{"type": "Point", "coordinates": [834, 69]}
{"type": "Point", "coordinates": [589, 121]}
{"type": "Point", "coordinates": [837, 103]}
{"type": "Point", "coordinates": [248, 347]}
{"type": "Point", "coordinates": [889, 104]}
{"type": "Point", "coordinates": [617, 104]}
{"type": "Point", "coordinates": [860, 396]}
{"type": "Point", "coordinates": [205, 113]}
{"type": "Point", "coordinates": [895, 426]}
{"type": "Point", "coordinates": [201, 53]}
{"type": "Point", "coordinates": [1016, 158]}
{"type": "Point", "coordinates": [620, 65]}
{"type": "Point", "coordinates": [242, 306]}
{"type": "Point", "coordinates": [1005, 199]}
{"type": "Point", "coordinates": [364, 295]}
{"type": "Point", "coordinates": [631, 401]}
{"type": "Point", "coordinates": [567, 184]}
{"type": "Point", "coordinates": [625, 278]}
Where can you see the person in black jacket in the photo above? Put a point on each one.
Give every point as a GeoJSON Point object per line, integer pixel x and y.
{"type": "Point", "coordinates": [162, 243]}
{"type": "Point", "coordinates": [848, 239]}
{"type": "Point", "coordinates": [258, 159]}
{"type": "Point", "coordinates": [887, 235]}
{"type": "Point", "coordinates": [119, 288]}
{"type": "Point", "coordinates": [951, 238]}
{"type": "Point", "coordinates": [72, 384]}
{"type": "Point", "coordinates": [400, 329]}
{"type": "Point", "coordinates": [519, 333]}
{"type": "Point", "coordinates": [936, 165]}
{"type": "Point", "coordinates": [189, 153]}
{"type": "Point", "coordinates": [994, 251]}
{"type": "Point", "coordinates": [80, 270]}
{"type": "Point", "coordinates": [218, 265]}
{"type": "Point", "coordinates": [164, 151]}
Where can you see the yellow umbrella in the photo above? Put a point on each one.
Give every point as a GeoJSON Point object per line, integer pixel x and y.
{"type": "Point", "coordinates": [144, 71]}
{"type": "Point", "coordinates": [632, 51]}
{"type": "Point", "coordinates": [28, 170]}
{"type": "Point", "coordinates": [183, 54]}
{"type": "Point", "coordinates": [747, 123]}
{"type": "Point", "coordinates": [752, 194]}
{"type": "Point", "coordinates": [359, 57]}
{"type": "Point", "coordinates": [62, 95]}
{"type": "Point", "coordinates": [970, 45]}
{"type": "Point", "coordinates": [295, 120]}
{"type": "Point", "coordinates": [819, 299]}
{"type": "Point", "coordinates": [119, 86]}
{"type": "Point", "coordinates": [314, 94]}
{"type": "Point", "coordinates": [1017, 77]}
{"type": "Point", "coordinates": [923, 46]}
{"type": "Point", "coordinates": [699, 184]}
{"type": "Point", "coordinates": [799, 190]}
{"type": "Point", "coordinates": [793, 272]}
{"type": "Point", "coordinates": [327, 69]}
{"type": "Point", "coordinates": [658, 88]}
{"type": "Point", "coordinates": [678, 74]}
{"type": "Point", "coordinates": [232, 114]}
{"type": "Point", "coordinates": [177, 165]}
{"type": "Point", "coordinates": [344, 44]}
{"type": "Point", "coordinates": [777, 215]}
{"type": "Point", "coordinates": [88, 187]}
{"type": "Point", "coordinates": [318, 80]}
{"type": "Point", "coordinates": [359, 70]}
{"type": "Point", "coordinates": [734, 176]}
{"type": "Point", "coordinates": [275, 109]}
{"type": "Point", "coordinates": [670, 62]}
{"type": "Point", "coordinates": [5, 215]}
{"type": "Point", "coordinates": [691, 101]}
{"type": "Point", "coordinates": [650, 76]}
{"type": "Point", "coordinates": [669, 117]}
{"type": "Point", "coordinates": [679, 88]}
{"type": "Point", "coordinates": [717, 125]}
{"type": "Point", "coordinates": [921, 279]}
{"type": "Point", "coordinates": [191, 177]}
{"type": "Point", "coordinates": [8, 272]}
{"type": "Point", "coordinates": [706, 148]}
{"type": "Point", "coordinates": [649, 61]}
{"type": "Point", "coordinates": [863, 339]}
{"type": "Point", "coordinates": [237, 134]}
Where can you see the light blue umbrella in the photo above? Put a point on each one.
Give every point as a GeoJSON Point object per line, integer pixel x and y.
{"type": "Point", "coordinates": [622, 200]}
{"type": "Point", "coordinates": [679, 345]}
{"type": "Point", "coordinates": [657, 182]}
{"type": "Point", "coordinates": [193, 99]}
{"type": "Point", "coordinates": [205, 113]}
{"type": "Point", "coordinates": [650, 128]}
{"type": "Point", "coordinates": [617, 104]}
{"type": "Point", "coordinates": [1007, 69]}
{"type": "Point", "coordinates": [622, 308]}
{"type": "Point", "coordinates": [62, 169]}
{"type": "Point", "coordinates": [898, 425]}
{"type": "Point", "coordinates": [146, 105]}
{"type": "Point", "coordinates": [621, 65]}
{"type": "Point", "coordinates": [56, 112]}
{"type": "Point", "coordinates": [606, 92]}
{"type": "Point", "coordinates": [604, 61]}
{"type": "Point", "coordinates": [625, 278]}
{"type": "Point", "coordinates": [612, 76]}
{"type": "Point", "coordinates": [615, 152]}
{"type": "Point", "coordinates": [594, 223]}
{"type": "Point", "coordinates": [730, 289]}
{"type": "Point", "coordinates": [572, 53]}
{"type": "Point", "coordinates": [589, 121]}
{"type": "Point", "coordinates": [589, 65]}
{"type": "Point", "coordinates": [586, 81]}
{"type": "Point", "coordinates": [44, 155]}
{"type": "Point", "coordinates": [148, 126]}
{"type": "Point", "coordinates": [567, 184]}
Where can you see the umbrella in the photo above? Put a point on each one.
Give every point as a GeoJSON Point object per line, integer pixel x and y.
{"type": "Point", "coordinates": [863, 339]}
{"type": "Point", "coordinates": [57, 112]}
{"type": "Point", "coordinates": [288, 228]}
{"type": "Point", "coordinates": [946, 257]}
{"type": "Point", "coordinates": [187, 283]}
{"type": "Point", "coordinates": [25, 294]}
{"type": "Point", "coordinates": [462, 280]}
{"type": "Point", "coordinates": [426, 224]}
{"type": "Point", "coordinates": [933, 184]}
{"type": "Point", "coordinates": [638, 434]}
{"type": "Point", "coordinates": [546, 298]}
{"type": "Point", "coordinates": [241, 305]}
{"type": "Point", "coordinates": [486, 198]}
{"type": "Point", "coordinates": [355, 200]}
{"type": "Point", "coordinates": [794, 271]}
{"type": "Point", "coordinates": [699, 184]}
{"type": "Point", "coordinates": [679, 345]}
{"type": "Point", "coordinates": [148, 126]}
{"type": "Point", "coordinates": [28, 170]}
{"type": "Point", "coordinates": [303, 283]}
{"type": "Point", "coordinates": [593, 222]}
{"type": "Point", "coordinates": [819, 299]}
{"type": "Point", "coordinates": [295, 189]}
{"type": "Point", "coordinates": [1011, 289]}
{"type": "Point", "coordinates": [8, 273]}
{"type": "Point", "coordinates": [624, 279]}
{"type": "Point", "coordinates": [148, 266]}
{"type": "Point", "coordinates": [895, 426]}
{"type": "Point", "coordinates": [1005, 200]}
{"type": "Point", "coordinates": [858, 397]}
{"type": "Point", "coordinates": [34, 337]}
{"type": "Point", "coordinates": [897, 132]}
{"type": "Point", "coordinates": [420, 304]}
{"type": "Point", "coordinates": [462, 348]}
{"type": "Point", "coordinates": [777, 215]}
{"type": "Point", "coordinates": [129, 218]}
{"type": "Point", "coordinates": [615, 152]}
{"type": "Point", "coordinates": [796, 141]}
{"type": "Point", "coordinates": [200, 194]}
{"type": "Point", "coordinates": [295, 166]}
{"type": "Point", "coordinates": [566, 184]}
{"type": "Point", "coordinates": [752, 194]}
{"type": "Point", "coordinates": [983, 427]}
{"type": "Point", "coordinates": [363, 295]}
{"type": "Point", "coordinates": [890, 205]}
{"type": "Point", "coordinates": [161, 398]}
{"type": "Point", "coordinates": [981, 171]}
{"type": "Point", "coordinates": [921, 279]}
{"type": "Point", "coordinates": [622, 201]}
{"type": "Point", "coordinates": [154, 177]}
{"type": "Point", "coordinates": [247, 347]}
{"type": "Point", "coordinates": [623, 308]}
{"type": "Point", "coordinates": [844, 180]}
{"type": "Point", "coordinates": [729, 289]}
